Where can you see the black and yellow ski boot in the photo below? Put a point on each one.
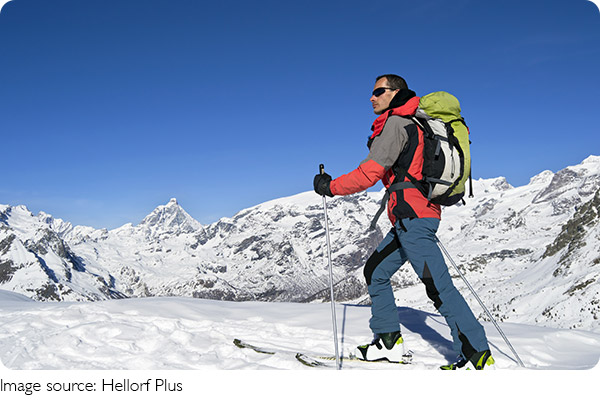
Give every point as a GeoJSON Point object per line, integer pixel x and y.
{"type": "Point", "coordinates": [480, 360]}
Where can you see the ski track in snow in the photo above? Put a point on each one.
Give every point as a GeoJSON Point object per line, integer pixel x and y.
{"type": "Point", "coordinates": [188, 334]}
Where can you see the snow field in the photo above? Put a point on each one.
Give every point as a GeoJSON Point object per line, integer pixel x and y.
{"type": "Point", "coordinates": [189, 342]}
{"type": "Point", "coordinates": [185, 333]}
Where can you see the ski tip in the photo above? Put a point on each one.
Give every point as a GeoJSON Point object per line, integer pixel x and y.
{"type": "Point", "coordinates": [243, 345]}
{"type": "Point", "coordinates": [309, 361]}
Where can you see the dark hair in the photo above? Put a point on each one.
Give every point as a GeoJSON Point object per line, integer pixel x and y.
{"type": "Point", "coordinates": [395, 81]}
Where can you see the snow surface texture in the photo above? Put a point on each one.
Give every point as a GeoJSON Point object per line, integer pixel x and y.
{"type": "Point", "coordinates": [183, 333]}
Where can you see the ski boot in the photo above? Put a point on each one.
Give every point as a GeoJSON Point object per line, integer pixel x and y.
{"type": "Point", "coordinates": [460, 363]}
{"type": "Point", "coordinates": [384, 347]}
{"type": "Point", "coordinates": [480, 360]}
{"type": "Point", "coordinates": [483, 359]}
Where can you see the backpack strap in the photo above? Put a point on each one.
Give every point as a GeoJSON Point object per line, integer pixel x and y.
{"type": "Point", "coordinates": [459, 120]}
{"type": "Point", "coordinates": [394, 187]}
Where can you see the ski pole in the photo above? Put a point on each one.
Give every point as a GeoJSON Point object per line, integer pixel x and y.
{"type": "Point", "coordinates": [333, 317]}
{"type": "Point", "coordinates": [479, 300]}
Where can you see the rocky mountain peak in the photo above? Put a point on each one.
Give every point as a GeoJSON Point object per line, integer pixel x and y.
{"type": "Point", "coordinates": [170, 218]}
{"type": "Point", "coordinates": [572, 183]}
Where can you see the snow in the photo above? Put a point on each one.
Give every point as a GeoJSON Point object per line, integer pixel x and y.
{"type": "Point", "coordinates": [172, 335]}
{"type": "Point", "coordinates": [184, 333]}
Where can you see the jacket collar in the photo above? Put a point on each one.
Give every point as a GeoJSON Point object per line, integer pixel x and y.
{"type": "Point", "coordinates": [406, 109]}
{"type": "Point", "coordinates": [401, 98]}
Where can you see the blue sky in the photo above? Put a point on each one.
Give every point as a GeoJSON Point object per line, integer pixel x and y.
{"type": "Point", "coordinates": [108, 109]}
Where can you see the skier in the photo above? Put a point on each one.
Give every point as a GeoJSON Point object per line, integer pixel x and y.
{"type": "Point", "coordinates": [396, 145]}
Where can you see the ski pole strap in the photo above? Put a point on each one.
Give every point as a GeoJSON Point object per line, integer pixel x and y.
{"type": "Point", "coordinates": [386, 197]}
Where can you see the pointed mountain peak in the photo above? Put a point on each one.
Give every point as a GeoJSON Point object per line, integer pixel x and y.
{"type": "Point", "coordinates": [170, 218]}
{"type": "Point", "coordinates": [543, 177]}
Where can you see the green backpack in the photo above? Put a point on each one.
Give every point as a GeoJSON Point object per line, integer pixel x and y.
{"type": "Point", "coordinates": [447, 155]}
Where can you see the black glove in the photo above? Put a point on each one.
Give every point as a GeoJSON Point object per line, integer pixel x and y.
{"type": "Point", "coordinates": [321, 184]}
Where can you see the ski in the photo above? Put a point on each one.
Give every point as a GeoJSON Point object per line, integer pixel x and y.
{"type": "Point", "coordinates": [307, 360]}
{"type": "Point", "coordinates": [312, 360]}
{"type": "Point", "coordinates": [243, 345]}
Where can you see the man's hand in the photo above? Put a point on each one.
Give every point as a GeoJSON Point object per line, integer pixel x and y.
{"type": "Point", "coordinates": [321, 184]}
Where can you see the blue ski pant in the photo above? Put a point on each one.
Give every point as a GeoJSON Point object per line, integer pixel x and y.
{"type": "Point", "coordinates": [414, 240]}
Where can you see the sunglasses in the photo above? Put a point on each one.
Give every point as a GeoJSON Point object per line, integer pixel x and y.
{"type": "Point", "coordinates": [379, 91]}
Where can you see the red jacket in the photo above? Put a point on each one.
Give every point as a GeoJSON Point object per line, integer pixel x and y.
{"type": "Point", "coordinates": [396, 145]}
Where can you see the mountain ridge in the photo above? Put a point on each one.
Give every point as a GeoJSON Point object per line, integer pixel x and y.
{"type": "Point", "coordinates": [275, 251]}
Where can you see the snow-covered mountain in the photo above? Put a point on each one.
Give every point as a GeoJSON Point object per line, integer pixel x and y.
{"type": "Point", "coordinates": [274, 251]}
{"type": "Point", "coordinates": [531, 252]}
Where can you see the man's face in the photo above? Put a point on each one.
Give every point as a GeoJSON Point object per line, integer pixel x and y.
{"type": "Point", "coordinates": [382, 102]}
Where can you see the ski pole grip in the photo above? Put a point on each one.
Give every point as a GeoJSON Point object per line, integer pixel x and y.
{"type": "Point", "coordinates": [321, 169]}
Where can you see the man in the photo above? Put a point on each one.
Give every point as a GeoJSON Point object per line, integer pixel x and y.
{"type": "Point", "coordinates": [395, 148]}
